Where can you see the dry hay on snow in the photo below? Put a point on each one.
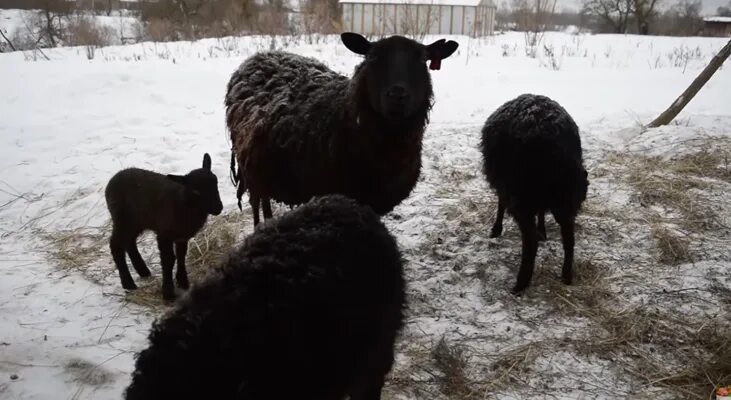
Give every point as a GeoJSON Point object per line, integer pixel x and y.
{"type": "Point", "coordinates": [647, 315]}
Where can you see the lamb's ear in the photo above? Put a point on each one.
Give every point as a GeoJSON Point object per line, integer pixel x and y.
{"type": "Point", "coordinates": [207, 162]}
{"type": "Point", "coordinates": [355, 43]}
{"type": "Point", "coordinates": [177, 178]}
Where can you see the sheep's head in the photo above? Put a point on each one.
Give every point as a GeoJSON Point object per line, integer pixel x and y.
{"type": "Point", "coordinates": [394, 74]}
{"type": "Point", "coordinates": [201, 188]}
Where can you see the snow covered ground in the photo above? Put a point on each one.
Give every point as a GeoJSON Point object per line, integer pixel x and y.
{"type": "Point", "coordinates": [652, 244]}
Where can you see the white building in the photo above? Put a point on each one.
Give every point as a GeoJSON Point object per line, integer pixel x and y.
{"type": "Point", "coordinates": [419, 17]}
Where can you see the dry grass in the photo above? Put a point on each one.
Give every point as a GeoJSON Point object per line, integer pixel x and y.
{"type": "Point", "coordinates": [678, 184]}
{"type": "Point", "coordinates": [451, 362]}
{"type": "Point", "coordinates": [673, 249]}
{"type": "Point", "coordinates": [87, 250]}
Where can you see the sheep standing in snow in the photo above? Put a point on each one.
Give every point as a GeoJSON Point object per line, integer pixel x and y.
{"type": "Point", "coordinates": [174, 207]}
{"type": "Point", "coordinates": [533, 160]}
{"type": "Point", "coordinates": [300, 129]}
{"type": "Point", "coordinates": [308, 307]}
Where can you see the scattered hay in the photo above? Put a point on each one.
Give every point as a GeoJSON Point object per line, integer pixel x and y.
{"type": "Point", "coordinates": [451, 363]}
{"type": "Point", "coordinates": [77, 249]}
{"type": "Point", "coordinates": [86, 250]}
{"type": "Point", "coordinates": [664, 350]}
{"type": "Point", "coordinates": [207, 249]}
{"type": "Point", "coordinates": [672, 248]}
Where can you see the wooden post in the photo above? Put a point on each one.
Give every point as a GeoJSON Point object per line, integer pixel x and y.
{"type": "Point", "coordinates": [692, 90]}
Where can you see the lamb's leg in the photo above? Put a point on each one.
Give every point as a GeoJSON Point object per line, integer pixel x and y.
{"type": "Point", "coordinates": [181, 275]}
{"type": "Point", "coordinates": [137, 262]}
{"type": "Point", "coordinates": [541, 226]}
{"type": "Point", "coordinates": [497, 227]}
{"type": "Point", "coordinates": [567, 238]}
{"type": "Point", "coordinates": [167, 261]}
{"type": "Point", "coordinates": [266, 207]}
{"type": "Point", "coordinates": [116, 245]}
{"type": "Point", "coordinates": [254, 202]}
{"type": "Point", "coordinates": [526, 223]}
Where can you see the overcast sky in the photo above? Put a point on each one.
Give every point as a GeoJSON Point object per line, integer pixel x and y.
{"type": "Point", "coordinates": [709, 6]}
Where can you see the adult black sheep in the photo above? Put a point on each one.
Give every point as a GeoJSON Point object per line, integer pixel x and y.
{"type": "Point", "coordinates": [308, 307]}
{"type": "Point", "coordinates": [533, 159]}
{"type": "Point", "coordinates": [300, 129]}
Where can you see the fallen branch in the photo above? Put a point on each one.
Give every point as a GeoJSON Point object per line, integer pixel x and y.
{"type": "Point", "coordinates": [693, 89]}
{"type": "Point", "coordinates": [7, 40]}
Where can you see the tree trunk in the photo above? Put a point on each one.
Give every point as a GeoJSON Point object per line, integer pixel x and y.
{"type": "Point", "coordinates": [694, 87]}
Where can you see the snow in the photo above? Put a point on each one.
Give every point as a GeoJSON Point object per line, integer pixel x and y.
{"type": "Point", "coordinates": [68, 124]}
{"type": "Point", "coordinates": [726, 20]}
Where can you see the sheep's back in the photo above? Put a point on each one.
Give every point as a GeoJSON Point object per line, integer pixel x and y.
{"type": "Point", "coordinates": [531, 149]}
{"type": "Point", "coordinates": [310, 300]}
{"type": "Point", "coordinates": [139, 197]}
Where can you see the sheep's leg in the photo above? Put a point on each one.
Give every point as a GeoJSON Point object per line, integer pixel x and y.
{"type": "Point", "coordinates": [181, 275]}
{"type": "Point", "coordinates": [497, 227]}
{"type": "Point", "coordinates": [528, 231]}
{"type": "Point", "coordinates": [137, 262]}
{"type": "Point", "coordinates": [567, 238]}
{"type": "Point", "coordinates": [369, 384]}
{"type": "Point", "coordinates": [368, 387]}
{"type": "Point", "coordinates": [116, 245]}
{"type": "Point", "coordinates": [254, 202]}
{"type": "Point", "coordinates": [541, 226]}
{"type": "Point", "coordinates": [266, 207]}
{"type": "Point", "coordinates": [167, 261]}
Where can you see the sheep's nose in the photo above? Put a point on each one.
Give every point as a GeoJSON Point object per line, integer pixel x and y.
{"type": "Point", "coordinates": [397, 92]}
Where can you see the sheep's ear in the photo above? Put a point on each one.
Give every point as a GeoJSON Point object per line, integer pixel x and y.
{"type": "Point", "coordinates": [177, 178]}
{"type": "Point", "coordinates": [207, 162]}
{"type": "Point", "coordinates": [441, 49]}
{"type": "Point", "coordinates": [355, 43]}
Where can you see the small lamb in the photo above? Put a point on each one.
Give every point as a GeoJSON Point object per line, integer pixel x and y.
{"type": "Point", "coordinates": [174, 207]}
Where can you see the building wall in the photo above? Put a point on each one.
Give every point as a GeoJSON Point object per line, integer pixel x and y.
{"type": "Point", "coordinates": [417, 19]}
{"type": "Point", "coordinates": [722, 29]}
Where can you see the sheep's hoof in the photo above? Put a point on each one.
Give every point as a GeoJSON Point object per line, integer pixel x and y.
{"type": "Point", "coordinates": [518, 289]}
{"type": "Point", "coordinates": [144, 272]}
{"type": "Point", "coordinates": [183, 283]}
{"type": "Point", "coordinates": [129, 285]}
{"type": "Point", "coordinates": [541, 236]}
{"type": "Point", "coordinates": [496, 232]}
{"type": "Point", "coordinates": [168, 294]}
{"type": "Point", "coordinates": [568, 280]}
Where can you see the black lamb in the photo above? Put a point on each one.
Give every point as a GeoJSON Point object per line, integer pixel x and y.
{"type": "Point", "coordinates": [309, 307]}
{"type": "Point", "coordinates": [174, 207]}
{"type": "Point", "coordinates": [533, 160]}
{"type": "Point", "coordinates": [301, 130]}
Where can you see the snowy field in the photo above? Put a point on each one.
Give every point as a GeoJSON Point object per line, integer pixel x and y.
{"type": "Point", "coordinates": [647, 317]}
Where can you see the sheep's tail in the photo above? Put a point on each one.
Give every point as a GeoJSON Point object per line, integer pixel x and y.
{"type": "Point", "coordinates": [235, 176]}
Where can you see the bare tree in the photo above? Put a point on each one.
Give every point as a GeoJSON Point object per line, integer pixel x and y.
{"type": "Point", "coordinates": [683, 18]}
{"type": "Point", "coordinates": [533, 17]}
{"type": "Point", "coordinates": [643, 11]}
{"type": "Point", "coordinates": [611, 13]}
{"type": "Point", "coordinates": [724, 11]}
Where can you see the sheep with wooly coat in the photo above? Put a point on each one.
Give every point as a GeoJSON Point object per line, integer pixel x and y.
{"type": "Point", "coordinates": [300, 129]}
{"type": "Point", "coordinates": [308, 307]}
{"type": "Point", "coordinates": [532, 158]}
{"type": "Point", "coordinates": [174, 207]}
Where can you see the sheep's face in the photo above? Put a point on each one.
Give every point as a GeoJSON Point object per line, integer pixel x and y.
{"type": "Point", "coordinates": [201, 188]}
{"type": "Point", "coordinates": [394, 72]}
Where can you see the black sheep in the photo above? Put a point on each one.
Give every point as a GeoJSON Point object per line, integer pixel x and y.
{"type": "Point", "coordinates": [301, 130]}
{"type": "Point", "coordinates": [309, 307]}
{"type": "Point", "coordinates": [174, 207]}
{"type": "Point", "coordinates": [533, 160]}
